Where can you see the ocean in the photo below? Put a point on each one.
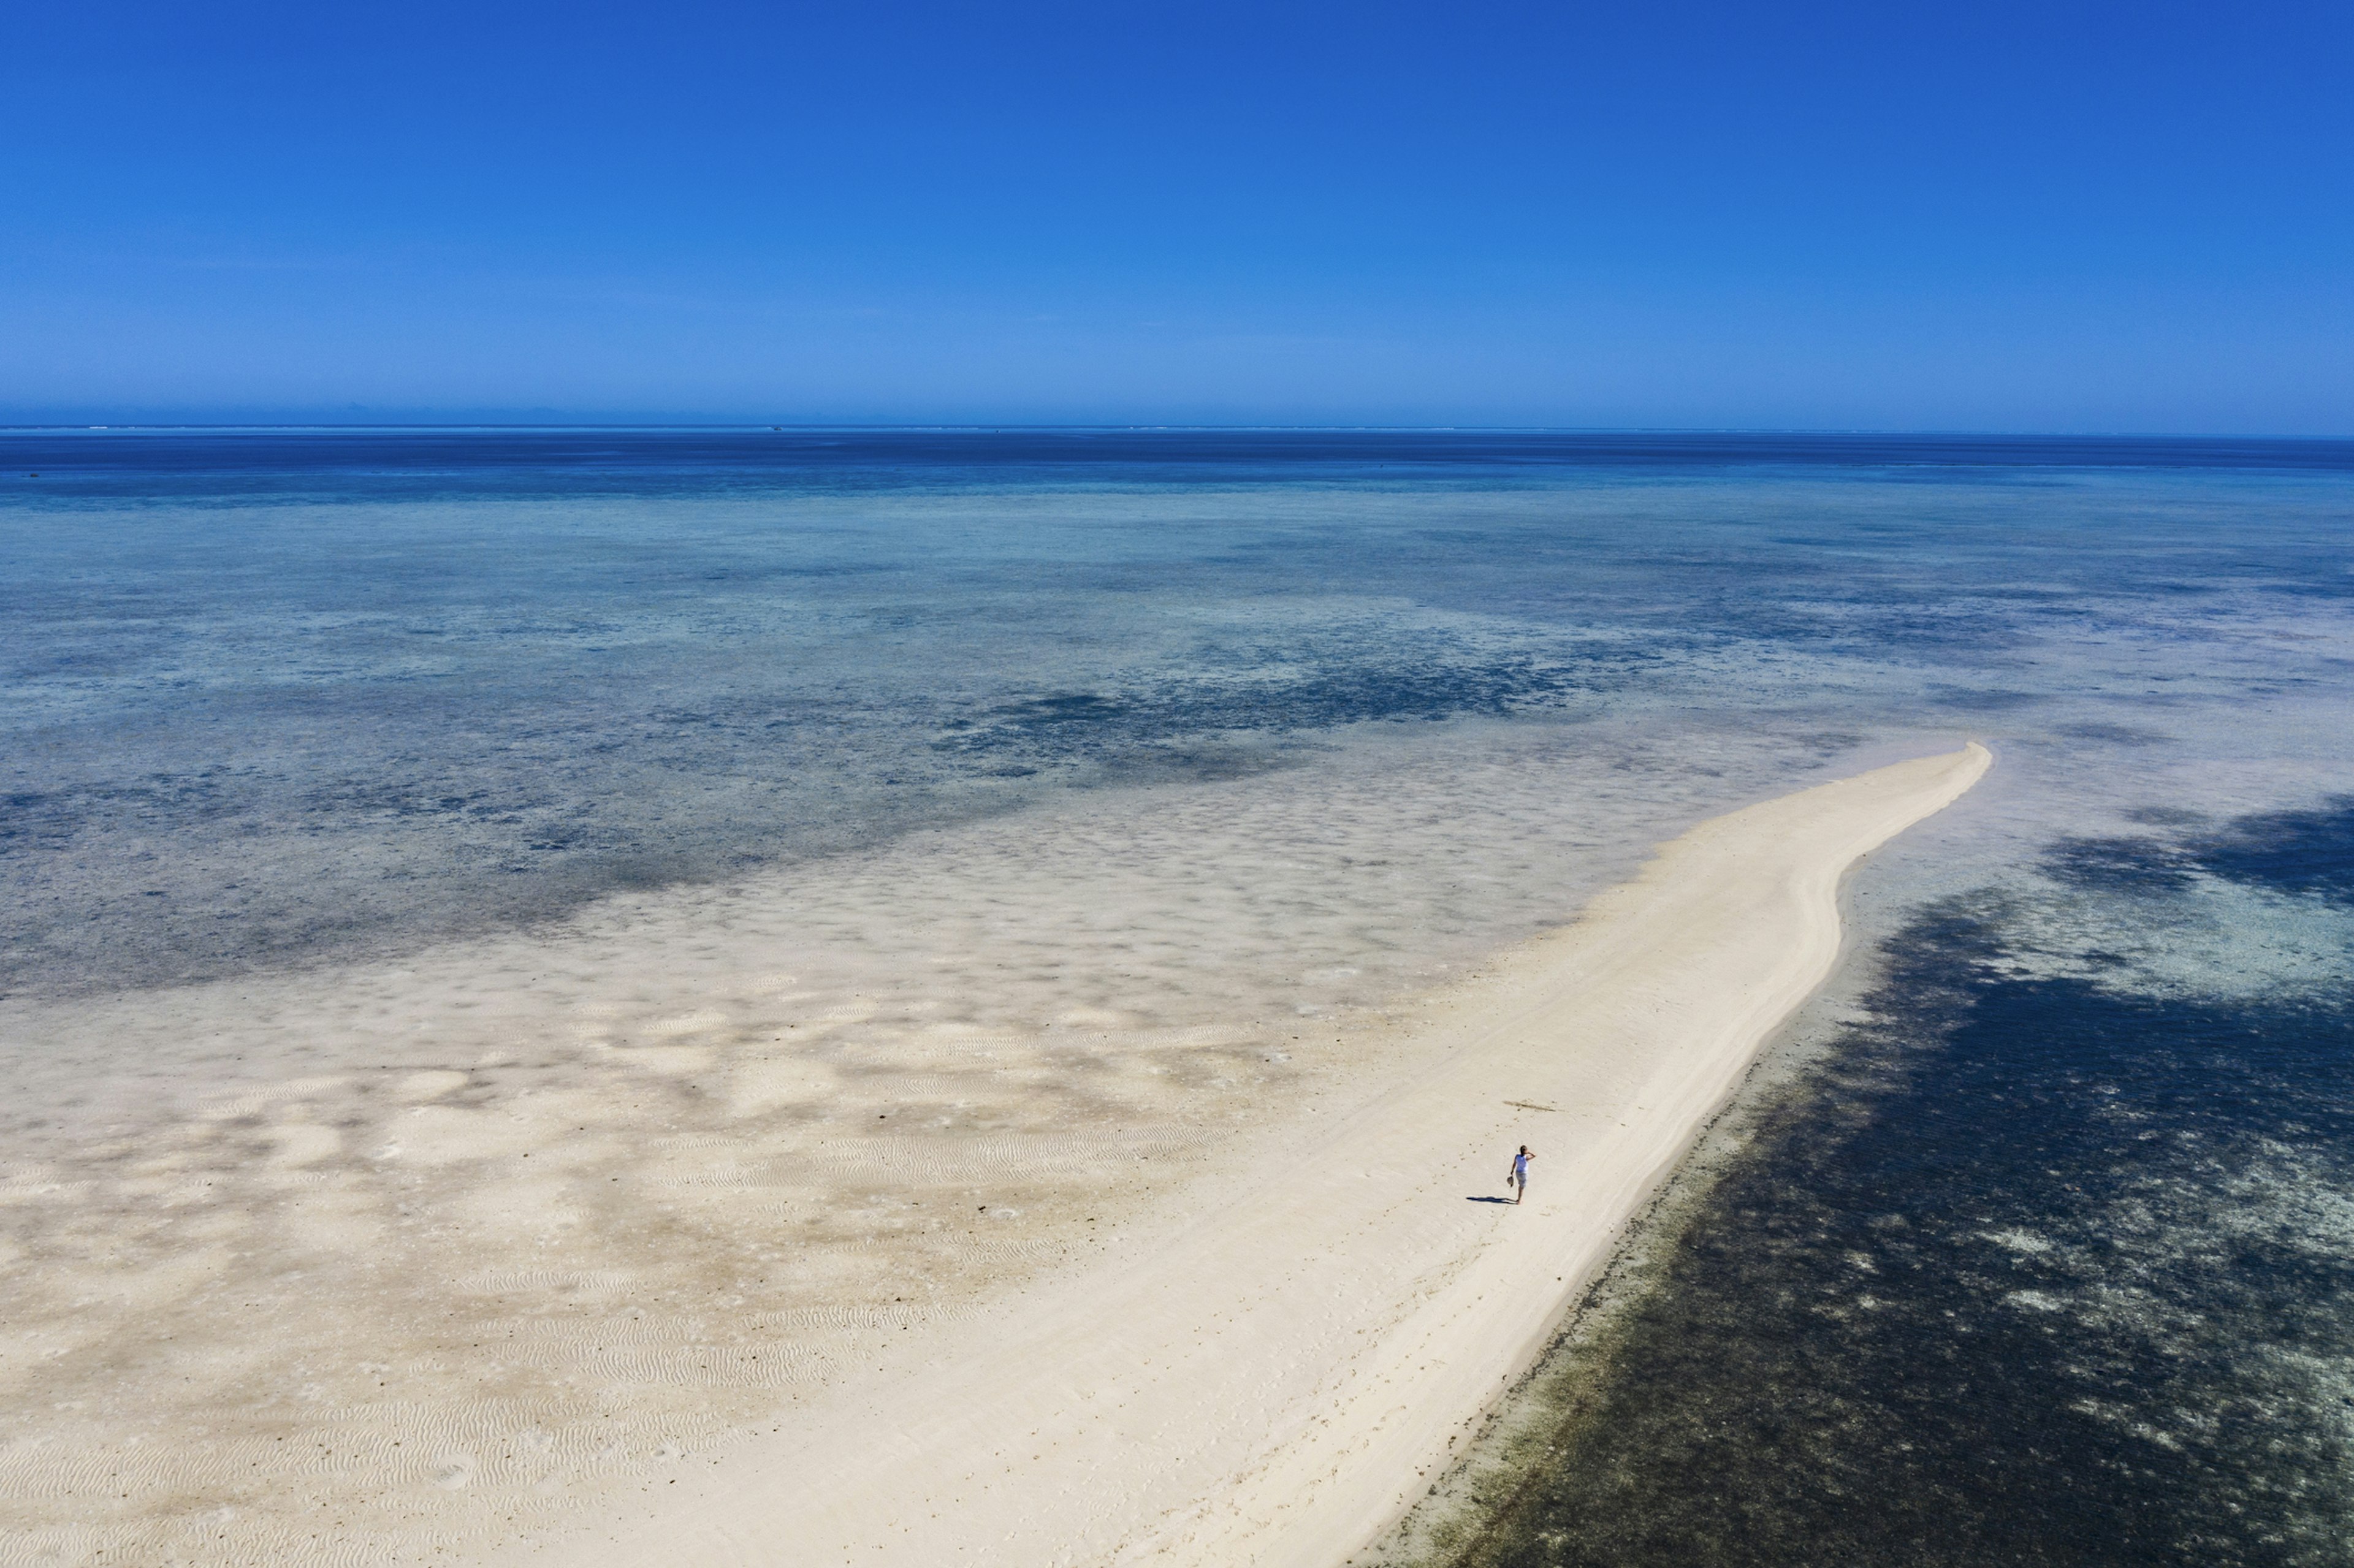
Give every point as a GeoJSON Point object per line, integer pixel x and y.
{"type": "Point", "coordinates": [2029, 1243]}
{"type": "Point", "coordinates": [2043, 1254]}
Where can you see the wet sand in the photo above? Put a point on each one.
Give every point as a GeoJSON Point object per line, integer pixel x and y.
{"type": "Point", "coordinates": [393, 1260]}
{"type": "Point", "coordinates": [509, 1245]}
{"type": "Point", "coordinates": [1264, 1375]}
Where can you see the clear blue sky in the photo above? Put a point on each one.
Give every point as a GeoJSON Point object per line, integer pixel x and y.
{"type": "Point", "coordinates": [1968, 215]}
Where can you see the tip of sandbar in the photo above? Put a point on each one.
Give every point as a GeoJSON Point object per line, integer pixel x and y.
{"type": "Point", "coordinates": [1962, 769]}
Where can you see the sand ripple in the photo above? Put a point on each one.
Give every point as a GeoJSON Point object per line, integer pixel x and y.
{"type": "Point", "coordinates": [393, 1263]}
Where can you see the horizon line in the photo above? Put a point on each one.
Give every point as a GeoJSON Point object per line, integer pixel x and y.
{"type": "Point", "coordinates": [987, 426]}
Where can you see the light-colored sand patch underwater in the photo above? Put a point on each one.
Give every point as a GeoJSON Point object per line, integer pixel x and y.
{"type": "Point", "coordinates": [398, 1262]}
{"type": "Point", "coordinates": [1311, 1335]}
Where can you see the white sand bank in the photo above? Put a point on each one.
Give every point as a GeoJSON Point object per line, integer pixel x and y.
{"type": "Point", "coordinates": [1265, 1380]}
{"type": "Point", "coordinates": [377, 1263]}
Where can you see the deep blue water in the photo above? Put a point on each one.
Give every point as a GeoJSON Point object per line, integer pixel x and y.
{"type": "Point", "coordinates": [2032, 1269]}
{"type": "Point", "coordinates": [413, 463]}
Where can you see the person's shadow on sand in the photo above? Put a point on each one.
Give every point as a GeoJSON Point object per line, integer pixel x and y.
{"type": "Point", "coordinates": [1487, 1199]}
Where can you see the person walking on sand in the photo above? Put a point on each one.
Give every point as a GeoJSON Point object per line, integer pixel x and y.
{"type": "Point", "coordinates": [1519, 1179]}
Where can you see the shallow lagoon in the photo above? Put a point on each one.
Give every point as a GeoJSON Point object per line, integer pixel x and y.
{"type": "Point", "coordinates": [274, 694]}
{"type": "Point", "coordinates": [1179, 741]}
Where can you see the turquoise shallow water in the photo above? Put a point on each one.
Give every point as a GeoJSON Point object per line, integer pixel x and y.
{"type": "Point", "coordinates": [2039, 1258]}
{"type": "Point", "coordinates": [273, 695]}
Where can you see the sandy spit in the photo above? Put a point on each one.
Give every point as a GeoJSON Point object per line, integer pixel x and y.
{"type": "Point", "coordinates": [1270, 1377]}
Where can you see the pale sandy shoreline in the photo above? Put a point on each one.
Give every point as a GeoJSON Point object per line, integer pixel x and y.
{"type": "Point", "coordinates": [395, 1261]}
{"type": "Point", "coordinates": [1268, 1376]}
{"type": "Point", "coordinates": [729, 1223]}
